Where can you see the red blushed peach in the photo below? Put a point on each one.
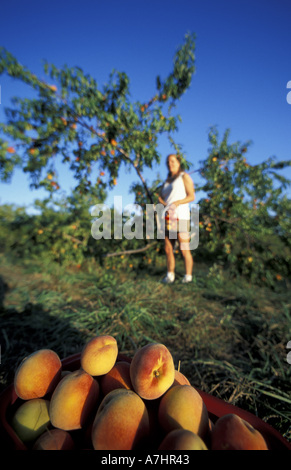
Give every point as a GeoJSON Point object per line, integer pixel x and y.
{"type": "Point", "coordinates": [182, 439]}
{"type": "Point", "coordinates": [183, 407]}
{"type": "Point", "coordinates": [180, 379]}
{"type": "Point", "coordinates": [231, 432]}
{"type": "Point", "coordinates": [152, 371]}
{"type": "Point", "coordinates": [99, 355]}
{"type": "Point", "coordinates": [37, 374]}
{"type": "Point", "coordinates": [73, 399]}
{"type": "Point", "coordinates": [54, 439]}
{"type": "Point", "coordinates": [117, 377]}
{"type": "Point", "coordinates": [121, 421]}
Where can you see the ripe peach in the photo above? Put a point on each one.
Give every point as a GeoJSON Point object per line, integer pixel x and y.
{"type": "Point", "coordinates": [37, 374]}
{"type": "Point", "coordinates": [31, 419]}
{"type": "Point", "coordinates": [180, 379]}
{"type": "Point", "coordinates": [99, 355]}
{"type": "Point", "coordinates": [117, 377]}
{"type": "Point", "coordinates": [231, 432]}
{"type": "Point", "coordinates": [74, 398]}
{"type": "Point", "coordinates": [182, 407]}
{"type": "Point", "coordinates": [65, 372]}
{"type": "Point", "coordinates": [182, 439]}
{"type": "Point", "coordinates": [54, 439]}
{"type": "Point", "coordinates": [152, 371]}
{"type": "Point", "coordinates": [121, 421]}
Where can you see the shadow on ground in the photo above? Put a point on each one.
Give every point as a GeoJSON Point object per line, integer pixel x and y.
{"type": "Point", "coordinates": [32, 328]}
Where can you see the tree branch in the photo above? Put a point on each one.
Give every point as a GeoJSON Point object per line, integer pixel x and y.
{"type": "Point", "coordinates": [130, 252]}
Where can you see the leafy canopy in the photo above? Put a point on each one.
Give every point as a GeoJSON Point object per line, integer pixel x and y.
{"type": "Point", "coordinates": [73, 119]}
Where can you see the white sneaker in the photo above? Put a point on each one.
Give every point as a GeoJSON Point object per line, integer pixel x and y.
{"type": "Point", "coordinates": [186, 279]}
{"type": "Point", "coordinates": [168, 280]}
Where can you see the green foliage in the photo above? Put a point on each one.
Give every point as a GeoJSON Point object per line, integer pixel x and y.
{"type": "Point", "coordinates": [245, 216]}
{"type": "Point", "coordinates": [245, 219]}
{"type": "Point", "coordinates": [60, 232]}
{"type": "Point", "coordinates": [8, 160]}
{"type": "Point", "coordinates": [88, 127]}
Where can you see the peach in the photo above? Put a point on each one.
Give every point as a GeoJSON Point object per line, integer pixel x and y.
{"type": "Point", "coordinates": [117, 377]}
{"type": "Point", "coordinates": [64, 373]}
{"type": "Point", "coordinates": [31, 419]}
{"type": "Point", "coordinates": [180, 379]}
{"type": "Point", "coordinates": [37, 374]}
{"type": "Point", "coordinates": [231, 432]}
{"type": "Point", "coordinates": [182, 407]}
{"type": "Point", "coordinates": [99, 355]}
{"type": "Point", "coordinates": [74, 398]}
{"type": "Point", "coordinates": [152, 371]}
{"type": "Point", "coordinates": [182, 439]}
{"type": "Point", "coordinates": [121, 421]}
{"type": "Point", "coordinates": [54, 439]}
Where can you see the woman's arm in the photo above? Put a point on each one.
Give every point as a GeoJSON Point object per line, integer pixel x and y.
{"type": "Point", "coordinates": [190, 191]}
{"type": "Point", "coordinates": [161, 200]}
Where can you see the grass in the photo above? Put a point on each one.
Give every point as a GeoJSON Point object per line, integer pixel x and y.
{"type": "Point", "coordinates": [227, 336]}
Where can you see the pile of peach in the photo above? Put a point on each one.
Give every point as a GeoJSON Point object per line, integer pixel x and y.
{"type": "Point", "coordinates": [111, 404]}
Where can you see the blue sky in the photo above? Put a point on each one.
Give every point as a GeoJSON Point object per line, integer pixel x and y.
{"type": "Point", "coordinates": [243, 65]}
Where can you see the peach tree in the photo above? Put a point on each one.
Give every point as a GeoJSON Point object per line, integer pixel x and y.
{"type": "Point", "coordinates": [90, 130]}
{"type": "Point", "coordinates": [73, 120]}
{"type": "Point", "coordinates": [245, 214]}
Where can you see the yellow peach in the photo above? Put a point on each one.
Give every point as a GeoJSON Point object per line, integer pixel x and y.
{"type": "Point", "coordinates": [182, 407]}
{"type": "Point", "coordinates": [99, 355]}
{"type": "Point", "coordinates": [37, 374]}
{"type": "Point", "coordinates": [182, 439]}
{"type": "Point", "coordinates": [121, 421]}
{"type": "Point", "coordinates": [231, 432]}
{"type": "Point", "coordinates": [74, 398]}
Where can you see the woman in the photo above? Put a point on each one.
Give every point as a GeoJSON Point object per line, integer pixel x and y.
{"type": "Point", "coordinates": [176, 194]}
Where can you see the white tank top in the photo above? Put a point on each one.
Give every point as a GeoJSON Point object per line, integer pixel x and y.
{"type": "Point", "coordinates": [174, 191]}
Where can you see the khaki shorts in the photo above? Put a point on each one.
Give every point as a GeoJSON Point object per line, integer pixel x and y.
{"type": "Point", "coordinates": [176, 226]}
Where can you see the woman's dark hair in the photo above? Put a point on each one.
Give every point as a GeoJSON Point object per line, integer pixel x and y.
{"type": "Point", "coordinates": [177, 156]}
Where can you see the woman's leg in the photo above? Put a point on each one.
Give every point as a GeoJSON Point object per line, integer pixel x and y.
{"type": "Point", "coordinates": [170, 257]}
{"type": "Point", "coordinates": [186, 252]}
